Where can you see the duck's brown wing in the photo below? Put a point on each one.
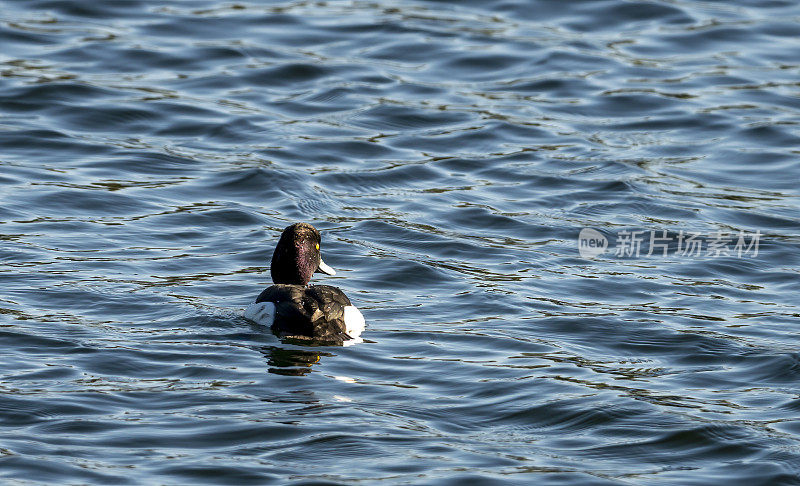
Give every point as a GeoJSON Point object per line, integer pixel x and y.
{"type": "Point", "coordinates": [315, 312]}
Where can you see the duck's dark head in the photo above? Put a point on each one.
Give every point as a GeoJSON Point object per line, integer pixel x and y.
{"type": "Point", "coordinates": [297, 256]}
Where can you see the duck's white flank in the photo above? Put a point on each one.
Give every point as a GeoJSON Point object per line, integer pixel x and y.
{"type": "Point", "coordinates": [261, 313]}
{"type": "Point", "coordinates": [353, 321]}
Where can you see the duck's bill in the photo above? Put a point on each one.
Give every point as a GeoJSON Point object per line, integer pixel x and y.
{"type": "Point", "coordinates": [324, 268]}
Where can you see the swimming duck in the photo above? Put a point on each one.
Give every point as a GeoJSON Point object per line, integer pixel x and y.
{"type": "Point", "coordinates": [294, 309]}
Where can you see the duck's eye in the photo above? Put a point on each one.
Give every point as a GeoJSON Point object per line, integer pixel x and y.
{"type": "Point", "coordinates": [316, 246]}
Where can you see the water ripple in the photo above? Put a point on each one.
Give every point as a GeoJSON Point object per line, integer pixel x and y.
{"type": "Point", "coordinates": [450, 152]}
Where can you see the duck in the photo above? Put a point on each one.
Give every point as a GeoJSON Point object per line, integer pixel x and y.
{"type": "Point", "coordinates": [292, 308]}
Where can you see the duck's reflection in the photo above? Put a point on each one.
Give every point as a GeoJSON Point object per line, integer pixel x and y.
{"type": "Point", "coordinates": [290, 360]}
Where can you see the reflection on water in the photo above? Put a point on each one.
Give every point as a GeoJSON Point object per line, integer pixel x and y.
{"type": "Point", "coordinates": [290, 361]}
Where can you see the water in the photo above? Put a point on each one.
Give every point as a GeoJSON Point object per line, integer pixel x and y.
{"type": "Point", "coordinates": [451, 152]}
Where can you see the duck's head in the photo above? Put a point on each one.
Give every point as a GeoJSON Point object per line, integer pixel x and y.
{"type": "Point", "coordinates": [297, 256]}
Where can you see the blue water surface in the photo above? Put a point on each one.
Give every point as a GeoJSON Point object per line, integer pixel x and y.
{"type": "Point", "coordinates": [450, 152]}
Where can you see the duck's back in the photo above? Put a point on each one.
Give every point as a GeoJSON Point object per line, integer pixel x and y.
{"type": "Point", "coordinates": [319, 312]}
